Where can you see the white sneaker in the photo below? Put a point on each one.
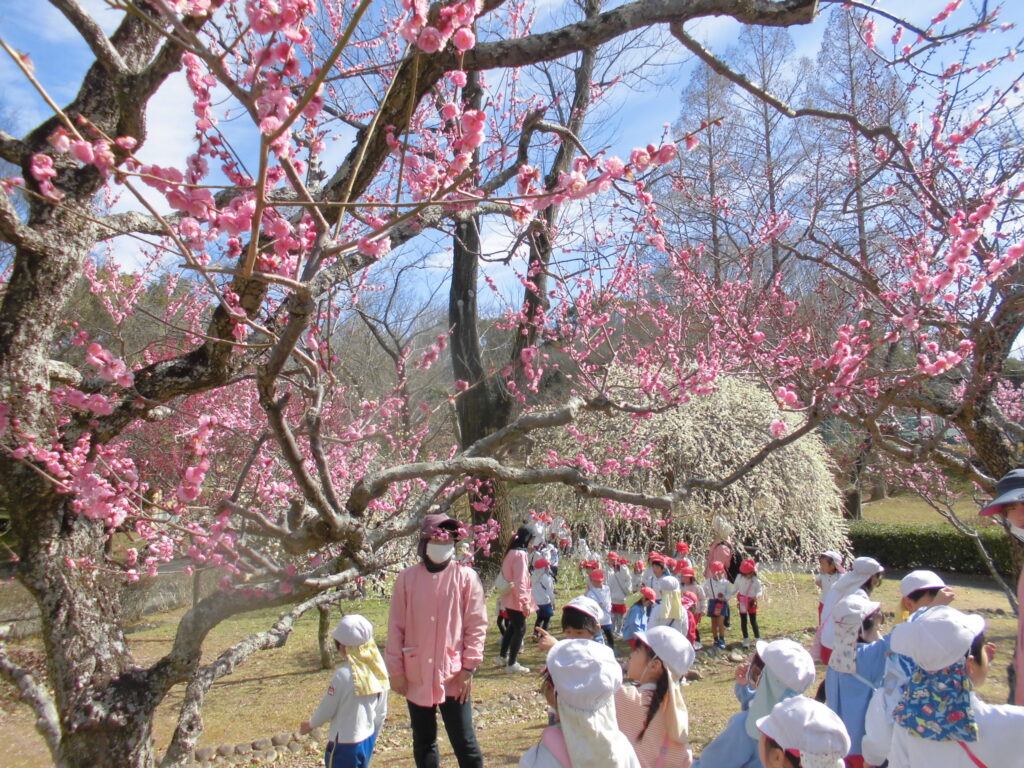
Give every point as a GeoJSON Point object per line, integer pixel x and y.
{"type": "Point", "coordinates": [746, 642]}
{"type": "Point", "coordinates": [697, 646]}
{"type": "Point", "coordinates": [517, 669]}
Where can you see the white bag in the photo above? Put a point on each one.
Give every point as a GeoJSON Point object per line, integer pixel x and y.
{"type": "Point", "coordinates": [502, 585]}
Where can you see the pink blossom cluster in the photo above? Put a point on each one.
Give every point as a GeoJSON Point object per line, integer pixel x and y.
{"type": "Point", "coordinates": [110, 368]}
{"type": "Point", "coordinates": [483, 535]}
{"type": "Point", "coordinates": [453, 23]}
{"type": "Point", "coordinates": [100, 478]}
{"type": "Point", "coordinates": [191, 7]}
{"type": "Point", "coordinates": [284, 16]}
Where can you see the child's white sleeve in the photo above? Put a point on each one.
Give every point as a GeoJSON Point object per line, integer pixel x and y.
{"type": "Point", "coordinates": [338, 691]}
{"type": "Point", "coordinates": [758, 587]}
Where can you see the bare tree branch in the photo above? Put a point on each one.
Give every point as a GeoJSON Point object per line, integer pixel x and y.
{"type": "Point", "coordinates": [593, 32]}
{"type": "Point", "coordinates": [34, 694]}
{"type": "Point", "coordinates": [190, 722]}
{"type": "Point", "coordinates": [11, 149]}
{"type": "Point", "coordinates": [92, 33]}
{"type": "Point", "coordinates": [13, 230]}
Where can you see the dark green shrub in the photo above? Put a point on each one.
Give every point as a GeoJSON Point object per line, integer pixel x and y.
{"type": "Point", "coordinates": [938, 547]}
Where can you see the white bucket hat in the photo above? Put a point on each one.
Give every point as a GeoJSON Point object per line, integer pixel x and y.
{"type": "Point", "coordinates": [671, 647]}
{"type": "Point", "coordinates": [666, 584]}
{"type": "Point", "coordinates": [808, 728]}
{"type": "Point", "coordinates": [861, 569]}
{"type": "Point", "coordinates": [916, 580]}
{"type": "Point", "coordinates": [585, 674]}
{"type": "Point", "coordinates": [938, 637]}
{"type": "Point", "coordinates": [353, 630]}
{"type": "Point", "coordinates": [789, 661]}
{"type": "Point", "coordinates": [586, 605]}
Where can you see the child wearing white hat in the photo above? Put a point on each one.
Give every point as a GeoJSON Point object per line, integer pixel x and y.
{"type": "Point", "coordinates": [802, 733]}
{"type": "Point", "coordinates": [864, 575]}
{"type": "Point", "coordinates": [652, 712]}
{"type": "Point", "coordinates": [356, 701]}
{"type": "Point", "coordinates": [920, 590]}
{"type": "Point", "coordinates": [856, 666]}
{"type": "Point", "coordinates": [581, 679]}
{"type": "Point", "coordinates": [830, 568]}
{"type": "Point", "coordinates": [1008, 504]}
{"type": "Point", "coordinates": [940, 721]}
{"type": "Point", "coordinates": [786, 670]}
{"type": "Point", "coordinates": [668, 608]}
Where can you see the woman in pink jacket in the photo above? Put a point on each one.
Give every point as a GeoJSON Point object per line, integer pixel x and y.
{"type": "Point", "coordinates": [518, 602]}
{"type": "Point", "coordinates": [435, 643]}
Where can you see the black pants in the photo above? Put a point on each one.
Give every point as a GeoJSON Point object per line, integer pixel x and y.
{"type": "Point", "coordinates": [609, 637]}
{"type": "Point", "coordinates": [502, 625]}
{"type": "Point", "coordinates": [753, 625]}
{"type": "Point", "coordinates": [513, 637]}
{"type": "Point", "coordinates": [458, 722]}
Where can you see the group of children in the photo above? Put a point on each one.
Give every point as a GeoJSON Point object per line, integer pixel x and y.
{"type": "Point", "coordinates": [903, 699]}
{"type": "Point", "coordinates": [667, 592]}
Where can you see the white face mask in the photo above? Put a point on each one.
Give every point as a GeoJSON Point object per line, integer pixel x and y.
{"type": "Point", "coordinates": [440, 552]}
{"type": "Point", "coordinates": [1017, 531]}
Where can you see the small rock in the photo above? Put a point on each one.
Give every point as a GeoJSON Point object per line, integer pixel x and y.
{"type": "Point", "coordinates": [281, 739]}
{"type": "Point", "coordinates": [737, 657]}
{"type": "Point", "coordinates": [243, 749]}
{"type": "Point", "coordinates": [694, 674]}
{"type": "Point", "coordinates": [295, 746]}
{"type": "Point", "coordinates": [205, 754]}
{"type": "Point", "coordinates": [270, 755]}
{"type": "Point", "coordinates": [225, 749]}
{"type": "Point", "coordinates": [261, 744]}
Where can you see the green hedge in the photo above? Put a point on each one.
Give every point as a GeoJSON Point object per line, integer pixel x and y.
{"type": "Point", "coordinates": [935, 546]}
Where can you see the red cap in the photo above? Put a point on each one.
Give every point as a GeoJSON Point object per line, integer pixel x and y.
{"type": "Point", "coordinates": [563, 542]}
{"type": "Point", "coordinates": [670, 563]}
{"type": "Point", "coordinates": [596, 575]}
{"type": "Point", "coordinates": [541, 563]}
{"type": "Point", "coordinates": [648, 593]}
{"type": "Point", "coordinates": [682, 548]}
{"type": "Point", "coordinates": [638, 566]}
{"type": "Point", "coordinates": [613, 557]}
{"type": "Point", "coordinates": [656, 557]}
{"type": "Point", "coordinates": [687, 572]}
{"type": "Point", "coordinates": [689, 599]}
{"type": "Point", "coordinates": [717, 566]}
{"type": "Point", "coordinates": [748, 566]}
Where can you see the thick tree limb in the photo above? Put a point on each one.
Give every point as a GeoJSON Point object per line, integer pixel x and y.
{"type": "Point", "coordinates": [190, 721]}
{"type": "Point", "coordinates": [594, 32]}
{"type": "Point", "coordinates": [92, 33]}
{"type": "Point", "coordinates": [11, 149]}
{"type": "Point", "coordinates": [13, 230]}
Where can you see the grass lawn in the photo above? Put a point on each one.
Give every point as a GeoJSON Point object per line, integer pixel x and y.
{"type": "Point", "coordinates": [912, 509]}
{"type": "Point", "coordinates": [274, 691]}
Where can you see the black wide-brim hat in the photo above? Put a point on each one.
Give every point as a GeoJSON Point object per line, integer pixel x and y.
{"type": "Point", "coordinates": [1009, 489]}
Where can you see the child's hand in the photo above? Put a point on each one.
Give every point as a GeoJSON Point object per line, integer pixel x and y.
{"type": "Point", "coordinates": [306, 728]}
{"type": "Point", "coordinates": [741, 673]}
{"type": "Point", "coordinates": [945, 597]}
{"type": "Point", "coordinates": [545, 641]}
